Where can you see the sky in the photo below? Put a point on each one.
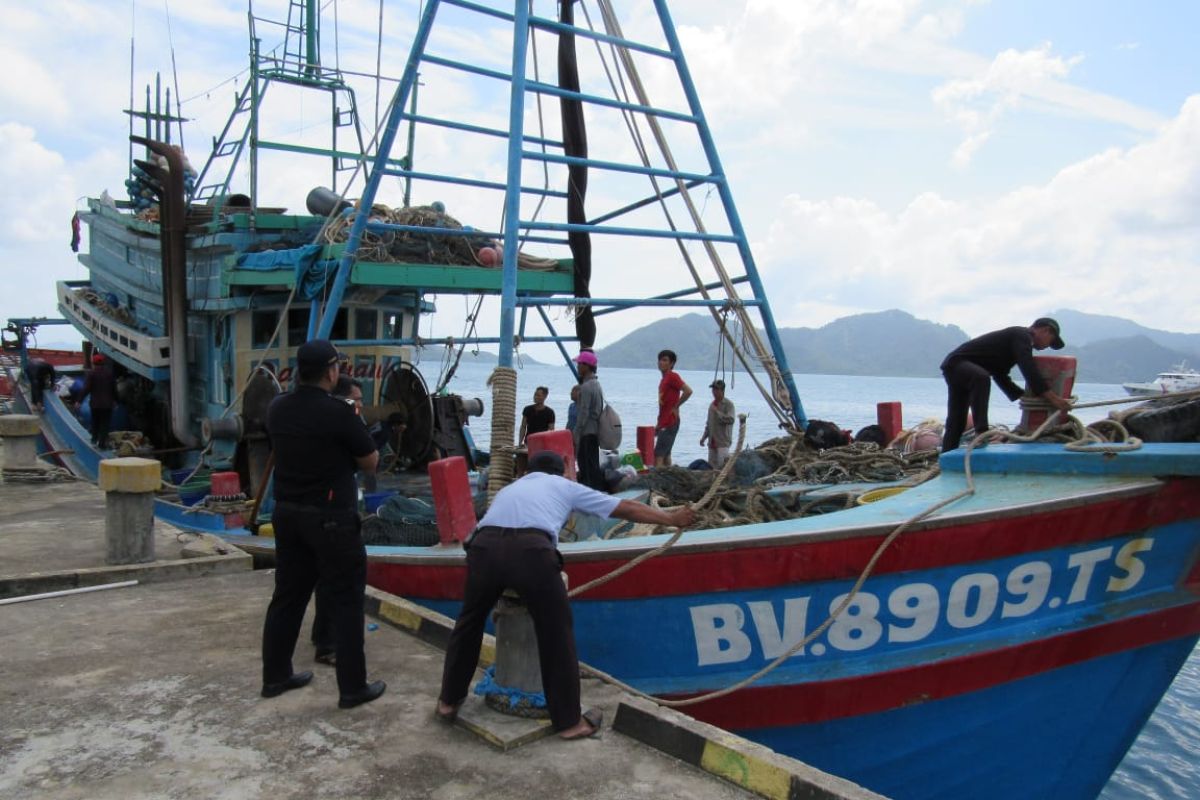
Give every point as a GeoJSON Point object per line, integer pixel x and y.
{"type": "Point", "coordinates": [973, 163]}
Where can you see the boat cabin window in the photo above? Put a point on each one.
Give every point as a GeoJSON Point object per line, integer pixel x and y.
{"type": "Point", "coordinates": [298, 326]}
{"type": "Point", "coordinates": [262, 326]}
{"type": "Point", "coordinates": [341, 325]}
{"type": "Point", "coordinates": [365, 323]}
{"type": "Point", "coordinates": [393, 325]}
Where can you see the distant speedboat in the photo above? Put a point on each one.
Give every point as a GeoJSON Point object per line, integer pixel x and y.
{"type": "Point", "coordinates": [1180, 379]}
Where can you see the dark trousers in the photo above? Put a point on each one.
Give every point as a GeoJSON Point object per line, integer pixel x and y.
{"type": "Point", "coordinates": [527, 562]}
{"type": "Point", "coordinates": [589, 463]}
{"type": "Point", "coordinates": [970, 386]}
{"type": "Point", "coordinates": [101, 421]}
{"type": "Point", "coordinates": [323, 638]}
{"type": "Point", "coordinates": [314, 544]}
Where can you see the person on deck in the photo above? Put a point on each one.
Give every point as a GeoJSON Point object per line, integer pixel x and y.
{"type": "Point", "coordinates": [573, 409]}
{"type": "Point", "coordinates": [319, 443]}
{"type": "Point", "coordinates": [42, 376]}
{"type": "Point", "coordinates": [101, 385]}
{"type": "Point", "coordinates": [537, 417]}
{"type": "Point", "coordinates": [672, 393]}
{"type": "Point", "coordinates": [587, 423]}
{"type": "Point", "coordinates": [516, 546]}
{"type": "Point", "coordinates": [718, 430]}
{"type": "Point", "coordinates": [970, 368]}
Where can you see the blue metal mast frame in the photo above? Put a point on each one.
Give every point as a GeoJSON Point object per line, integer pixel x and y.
{"type": "Point", "coordinates": [511, 302]}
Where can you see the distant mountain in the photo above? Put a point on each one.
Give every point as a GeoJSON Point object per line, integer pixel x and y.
{"type": "Point", "coordinates": [1080, 328]}
{"type": "Point", "coordinates": [1134, 358]}
{"type": "Point", "coordinates": [884, 343]}
{"type": "Point", "coordinates": [895, 343]}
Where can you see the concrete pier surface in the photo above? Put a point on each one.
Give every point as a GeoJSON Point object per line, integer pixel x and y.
{"type": "Point", "coordinates": [152, 691]}
{"type": "Point", "coordinates": [52, 538]}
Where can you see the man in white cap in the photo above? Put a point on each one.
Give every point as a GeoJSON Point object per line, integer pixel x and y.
{"type": "Point", "coordinates": [718, 431]}
{"type": "Point", "coordinates": [970, 368]}
{"type": "Point", "coordinates": [587, 422]}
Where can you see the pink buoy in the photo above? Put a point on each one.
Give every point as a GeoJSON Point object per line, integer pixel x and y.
{"type": "Point", "coordinates": [488, 256]}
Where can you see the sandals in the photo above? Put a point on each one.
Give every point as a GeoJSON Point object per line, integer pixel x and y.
{"type": "Point", "coordinates": [593, 717]}
{"type": "Point", "coordinates": [446, 717]}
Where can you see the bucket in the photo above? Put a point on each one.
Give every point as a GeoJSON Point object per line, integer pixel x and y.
{"type": "Point", "coordinates": [561, 442]}
{"type": "Point", "coordinates": [880, 494]}
{"type": "Point", "coordinates": [373, 500]}
{"type": "Point", "coordinates": [226, 484]}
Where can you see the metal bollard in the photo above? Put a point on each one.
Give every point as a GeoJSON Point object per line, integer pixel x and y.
{"type": "Point", "coordinates": [129, 485]}
{"type": "Point", "coordinates": [517, 664]}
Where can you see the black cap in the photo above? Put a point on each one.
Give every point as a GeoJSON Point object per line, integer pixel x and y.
{"type": "Point", "coordinates": [717, 384]}
{"type": "Point", "coordinates": [547, 461]}
{"type": "Point", "coordinates": [1046, 322]}
{"type": "Point", "coordinates": [317, 353]}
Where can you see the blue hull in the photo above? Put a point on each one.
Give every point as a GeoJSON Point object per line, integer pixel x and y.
{"type": "Point", "coordinates": [1000, 743]}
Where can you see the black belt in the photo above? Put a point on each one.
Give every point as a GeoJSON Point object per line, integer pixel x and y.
{"type": "Point", "coordinates": [308, 508]}
{"type": "Point", "coordinates": [497, 530]}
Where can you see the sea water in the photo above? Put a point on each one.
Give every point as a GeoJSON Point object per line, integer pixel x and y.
{"type": "Point", "coordinates": [1164, 762]}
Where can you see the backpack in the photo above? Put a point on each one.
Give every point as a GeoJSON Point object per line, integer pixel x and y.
{"type": "Point", "coordinates": [608, 432]}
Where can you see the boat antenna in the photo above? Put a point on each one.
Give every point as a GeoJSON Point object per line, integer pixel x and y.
{"type": "Point", "coordinates": [174, 77]}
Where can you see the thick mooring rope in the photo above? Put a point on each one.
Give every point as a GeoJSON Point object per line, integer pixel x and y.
{"type": "Point", "coordinates": [503, 381]}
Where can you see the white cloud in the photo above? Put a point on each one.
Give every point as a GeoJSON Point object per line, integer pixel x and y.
{"type": "Point", "coordinates": [1107, 234]}
{"type": "Point", "coordinates": [976, 104]}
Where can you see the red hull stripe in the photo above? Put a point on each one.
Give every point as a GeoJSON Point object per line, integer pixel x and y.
{"type": "Point", "coordinates": [797, 704]}
{"type": "Point", "coordinates": [765, 567]}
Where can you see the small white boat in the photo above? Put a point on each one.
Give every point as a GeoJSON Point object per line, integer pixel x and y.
{"type": "Point", "coordinates": [1180, 379]}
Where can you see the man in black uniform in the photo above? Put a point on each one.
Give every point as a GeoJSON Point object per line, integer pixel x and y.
{"type": "Point", "coordinates": [319, 443]}
{"type": "Point", "coordinates": [970, 368]}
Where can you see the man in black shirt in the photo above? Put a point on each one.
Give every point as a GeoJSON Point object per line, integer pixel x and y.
{"type": "Point", "coordinates": [538, 417]}
{"type": "Point", "coordinates": [41, 376]}
{"type": "Point", "coordinates": [970, 368]}
{"type": "Point", "coordinates": [319, 443]}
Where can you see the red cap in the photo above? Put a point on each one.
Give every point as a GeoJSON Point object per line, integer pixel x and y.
{"type": "Point", "coordinates": [98, 359]}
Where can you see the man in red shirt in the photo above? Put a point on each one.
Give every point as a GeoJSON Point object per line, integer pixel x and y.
{"type": "Point", "coordinates": [672, 393]}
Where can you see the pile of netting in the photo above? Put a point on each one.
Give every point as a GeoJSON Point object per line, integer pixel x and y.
{"type": "Point", "coordinates": [423, 247]}
{"type": "Point", "coordinates": [744, 498]}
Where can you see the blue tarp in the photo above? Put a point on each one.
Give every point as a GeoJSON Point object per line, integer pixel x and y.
{"type": "Point", "coordinates": [311, 274]}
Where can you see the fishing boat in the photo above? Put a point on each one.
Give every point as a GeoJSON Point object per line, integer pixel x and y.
{"type": "Point", "coordinates": [1003, 629]}
{"type": "Point", "coordinates": [1180, 379]}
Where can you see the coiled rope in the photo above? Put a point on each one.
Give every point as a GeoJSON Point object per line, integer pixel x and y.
{"type": "Point", "coordinates": [503, 382]}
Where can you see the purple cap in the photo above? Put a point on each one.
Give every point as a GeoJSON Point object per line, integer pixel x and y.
{"type": "Point", "coordinates": [587, 357]}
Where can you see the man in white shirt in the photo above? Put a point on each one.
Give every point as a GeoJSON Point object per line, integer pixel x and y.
{"type": "Point", "coordinates": [516, 546]}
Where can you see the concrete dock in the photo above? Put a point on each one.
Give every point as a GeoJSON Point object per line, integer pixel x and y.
{"type": "Point", "coordinates": [152, 691]}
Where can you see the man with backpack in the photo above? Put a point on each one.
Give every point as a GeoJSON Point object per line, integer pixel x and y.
{"type": "Point", "coordinates": [587, 422]}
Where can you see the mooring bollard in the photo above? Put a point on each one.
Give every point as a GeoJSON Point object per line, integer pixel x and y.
{"type": "Point", "coordinates": [20, 433]}
{"type": "Point", "coordinates": [129, 485]}
{"type": "Point", "coordinates": [518, 670]}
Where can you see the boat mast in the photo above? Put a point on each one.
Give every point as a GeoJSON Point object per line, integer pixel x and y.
{"type": "Point", "coordinates": [782, 397]}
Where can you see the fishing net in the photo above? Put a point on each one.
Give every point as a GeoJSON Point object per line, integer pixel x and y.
{"type": "Point", "coordinates": [746, 497]}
